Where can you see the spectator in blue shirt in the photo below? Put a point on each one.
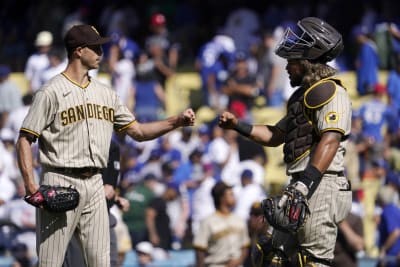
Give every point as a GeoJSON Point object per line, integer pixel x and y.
{"type": "Point", "coordinates": [367, 61]}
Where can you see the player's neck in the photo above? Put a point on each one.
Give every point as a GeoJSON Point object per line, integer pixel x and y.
{"type": "Point", "coordinates": [77, 74]}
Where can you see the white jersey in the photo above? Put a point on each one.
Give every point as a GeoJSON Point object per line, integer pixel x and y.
{"type": "Point", "coordinates": [74, 123]}
{"type": "Point", "coordinates": [35, 65]}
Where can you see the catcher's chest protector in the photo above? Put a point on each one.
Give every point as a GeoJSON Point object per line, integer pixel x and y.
{"type": "Point", "coordinates": [299, 131]}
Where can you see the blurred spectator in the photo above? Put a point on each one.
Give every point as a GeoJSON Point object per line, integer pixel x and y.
{"type": "Point", "coordinates": [16, 117]}
{"type": "Point", "coordinates": [144, 251]}
{"type": "Point", "coordinates": [152, 165]}
{"type": "Point", "coordinates": [185, 140]}
{"type": "Point", "coordinates": [189, 174]}
{"type": "Point", "coordinates": [247, 194]}
{"type": "Point", "coordinates": [393, 85]}
{"type": "Point", "coordinates": [241, 88]}
{"type": "Point", "coordinates": [350, 243]}
{"type": "Point", "coordinates": [367, 60]}
{"type": "Point", "coordinates": [149, 95]}
{"type": "Point", "coordinates": [162, 68]}
{"type": "Point", "coordinates": [202, 200]}
{"type": "Point", "coordinates": [159, 31]}
{"type": "Point", "coordinates": [256, 163]}
{"type": "Point", "coordinates": [57, 64]}
{"type": "Point", "coordinates": [258, 231]}
{"type": "Point", "coordinates": [139, 197]}
{"type": "Point", "coordinates": [213, 62]}
{"type": "Point", "coordinates": [157, 218]}
{"type": "Point", "coordinates": [374, 115]}
{"type": "Point", "coordinates": [7, 152]}
{"type": "Point", "coordinates": [23, 217]}
{"type": "Point", "coordinates": [38, 61]}
{"type": "Point", "coordinates": [122, 52]}
{"type": "Point", "coordinates": [10, 95]}
{"type": "Point", "coordinates": [169, 154]}
{"type": "Point", "coordinates": [222, 239]}
{"type": "Point", "coordinates": [389, 228]}
{"type": "Point", "coordinates": [242, 24]}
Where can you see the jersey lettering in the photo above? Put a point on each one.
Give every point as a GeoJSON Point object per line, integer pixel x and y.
{"type": "Point", "coordinates": [81, 112]}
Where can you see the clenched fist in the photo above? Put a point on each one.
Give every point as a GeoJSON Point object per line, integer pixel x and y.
{"type": "Point", "coordinates": [227, 120]}
{"type": "Point", "coordinates": [187, 118]}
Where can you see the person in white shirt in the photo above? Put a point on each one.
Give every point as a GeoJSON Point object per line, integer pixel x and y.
{"type": "Point", "coordinates": [203, 205]}
{"type": "Point", "coordinates": [247, 194]}
{"type": "Point", "coordinates": [38, 61]}
{"type": "Point", "coordinates": [57, 64]}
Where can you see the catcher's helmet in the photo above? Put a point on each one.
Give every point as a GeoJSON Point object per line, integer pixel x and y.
{"type": "Point", "coordinates": [317, 41]}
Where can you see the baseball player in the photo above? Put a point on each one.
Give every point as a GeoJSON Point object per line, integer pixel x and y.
{"type": "Point", "coordinates": [222, 239]}
{"type": "Point", "coordinates": [73, 117]}
{"type": "Point", "coordinates": [314, 133]}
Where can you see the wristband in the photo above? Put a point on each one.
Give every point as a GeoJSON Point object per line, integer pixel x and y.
{"type": "Point", "coordinates": [311, 178]}
{"type": "Point", "coordinates": [243, 128]}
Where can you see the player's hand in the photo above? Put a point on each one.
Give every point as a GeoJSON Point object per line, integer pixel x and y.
{"type": "Point", "coordinates": [123, 203]}
{"type": "Point", "coordinates": [186, 118]}
{"type": "Point", "coordinates": [227, 120]}
{"type": "Point", "coordinates": [109, 191]}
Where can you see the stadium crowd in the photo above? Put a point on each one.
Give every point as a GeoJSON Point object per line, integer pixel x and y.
{"type": "Point", "coordinates": [169, 181]}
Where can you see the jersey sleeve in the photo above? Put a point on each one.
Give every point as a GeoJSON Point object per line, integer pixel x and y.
{"type": "Point", "coordinates": [40, 115]}
{"type": "Point", "coordinates": [335, 115]}
{"type": "Point", "coordinates": [123, 116]}
{"type": "Point", "coordinates": [201, 238]}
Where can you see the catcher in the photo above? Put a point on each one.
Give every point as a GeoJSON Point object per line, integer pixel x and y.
{"type": "Point", "coordinates": [313, 133]}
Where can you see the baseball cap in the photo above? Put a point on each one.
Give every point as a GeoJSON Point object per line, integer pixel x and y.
{"type": "Point", "coordinates": [379, 88]}
{"type": "Point", "coordinates": [247, 173]}
{"type": "Point", "coordinates": [83, 35]}
{"type": "Point", "coordinates": [157, 19]}
{"type": "Point", "coordinates": [145, 247]}
{"type": "Point", "coordinates": [44, 38]}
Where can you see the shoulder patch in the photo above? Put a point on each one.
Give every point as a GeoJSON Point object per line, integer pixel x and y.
{"type": "Point", "coordinates": [320, 94]}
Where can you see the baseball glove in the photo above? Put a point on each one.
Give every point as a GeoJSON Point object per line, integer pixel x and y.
{"type": "Point", "coordinates": [54, 198]}
{"type": "Point", "coordinates": [289, 215]}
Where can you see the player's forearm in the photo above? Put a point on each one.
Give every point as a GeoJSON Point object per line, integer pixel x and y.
{"type": "Point", "coordinates": [200, 256]}
{"type": "Point", "coordinates": [25, 163]}
{"type": "Point", "coordinates": [326, 151]}
{"type": "Point", "coordinates": [390, 240]}
{"type": "Point", "coordinates": [151, 130]}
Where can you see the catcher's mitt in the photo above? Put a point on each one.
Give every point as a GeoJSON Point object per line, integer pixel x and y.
{"type": "Point", "coordinates": [54, 198]}
{"type": "Point", "coordinates": [291, 215]}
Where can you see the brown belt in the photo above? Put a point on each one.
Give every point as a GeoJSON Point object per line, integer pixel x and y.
{"type": "Point", "coordinates": [85, 172]}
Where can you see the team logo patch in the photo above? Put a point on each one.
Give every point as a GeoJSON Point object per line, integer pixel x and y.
{"type": "Point", "coordinates": [332, 117]}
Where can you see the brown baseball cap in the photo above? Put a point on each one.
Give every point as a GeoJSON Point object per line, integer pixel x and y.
{"type": "Point", "coordinates": [83, 35]}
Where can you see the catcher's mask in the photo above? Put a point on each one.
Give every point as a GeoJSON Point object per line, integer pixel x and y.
{"type": "Point", "coordinates": [316, 41]}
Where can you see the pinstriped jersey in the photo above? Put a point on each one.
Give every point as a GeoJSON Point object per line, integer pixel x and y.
{"type": "Point", "coordinates": [332, 116]}
{"type": "Point", "coordinates": [74, 123]}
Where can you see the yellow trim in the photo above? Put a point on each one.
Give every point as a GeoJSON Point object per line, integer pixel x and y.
{"type": "Point", "coordinates": [300, 259]}
{"type": "Point", "coordinates": [259, 248]}
{"type": "Point", "coordinates": [333, 129]}
{"type": "Point", "coordinates": [29, 131]}
{"type": "Point", "coordinates": [301, 156]}
{"type": "Point", "coordinates": [126, 126]}
{"type": "Point", "coordinates": [77, 84]}
{"type": "Point", "coordinates": [329, 114]}
{"type": "Point", "coordinates": [312, 87]}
